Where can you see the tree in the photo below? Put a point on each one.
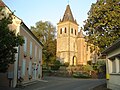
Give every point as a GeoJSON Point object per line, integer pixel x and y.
{"type": "Point", "coordinates": [87, 68]}
{"type": "Point", "coordinates": [103, 24]}
{"type": "Point", "coordinates": [45, 32]}
{"type": "Point", "coordinates": [8, 42]}
{"type": "Point", "coordinates": [56, 65]}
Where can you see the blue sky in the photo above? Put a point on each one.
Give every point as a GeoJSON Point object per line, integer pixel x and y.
{"type": "Point", "coordinates": [32, 11]}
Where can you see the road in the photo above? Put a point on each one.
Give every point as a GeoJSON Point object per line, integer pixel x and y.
{"type": "Point", "coordinates": [58, 83]}
{"type": "Point", "coordinates": [55, 83]}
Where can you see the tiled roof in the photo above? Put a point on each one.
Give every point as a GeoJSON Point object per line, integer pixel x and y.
{"type": "Point", "coordinates": [2, 4]}
{"type": "Point", "coordinates": [68, 16]}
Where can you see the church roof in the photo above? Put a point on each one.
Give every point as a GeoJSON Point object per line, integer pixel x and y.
{"type": "Point", "coordinates": [80, 34]}
{"type": "Point", "coordinates": [68, 16]}
{"type": "Point", "coordinates": [2, 4]}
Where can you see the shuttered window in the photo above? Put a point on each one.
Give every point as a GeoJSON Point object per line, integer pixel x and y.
{"type": "Point", "coordinates": [30, 48]}
{"type": "Point", "coordinates": [25, 45]}
{"type": "Point", "coordinates": [23, 67]}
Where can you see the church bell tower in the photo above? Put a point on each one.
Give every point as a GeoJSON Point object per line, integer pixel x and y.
{"type": "Point", "coordinates": [67, 31]}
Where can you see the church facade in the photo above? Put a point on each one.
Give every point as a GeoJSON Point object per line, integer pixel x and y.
{"type": "Point", "coordinates": [72, 47]}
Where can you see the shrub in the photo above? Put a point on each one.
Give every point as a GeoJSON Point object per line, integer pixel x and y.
{"type": "Point", "coordinates": [81, 75]}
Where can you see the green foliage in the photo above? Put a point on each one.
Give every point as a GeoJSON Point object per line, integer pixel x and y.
{"type": "Point", "coordinates": [8, 42]}
{"type": "Point", "coordinates": [99, 64]}
{"type": "Point", "coordinates": [87, 68]}
{"type": "Point", "coordinates": [103, 24]}
{"type": "Point", "coordinates": [56, 65]}
{"type": "Point", "coordinates": [95, 67]}
{"type": "Point", "coordinates": [45, 32]}
{"type": "Point", "coordinates": [89, 62]}
{"type": "Point", "coordinates": [102, 62]}
{"type": "Point", "coordinates": [81, 75]}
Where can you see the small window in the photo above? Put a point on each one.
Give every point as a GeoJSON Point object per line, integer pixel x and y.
{"type": "Point", "coordinates": [61, 31]}
{"type": "Point", "coordinates": [40, 54]}
{"type": "Point", "coordinates": [75, 31]}
{"type": "Point", "coordinates": [65, 30]}
{"type": "Point", "coordinates": [35, 51]}
{"type": "Point", "coordinates": [72, 30]}
{"type": "Point", "coordinates": [30, 68]}
{"type": "Point", "coordinates": [31, 48]}
{"type": "Point", "coordinates": [25, 45]}
{"type": "Point", "coordinates": [23, 67]}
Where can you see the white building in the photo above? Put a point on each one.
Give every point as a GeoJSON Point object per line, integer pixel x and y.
{"type": "Point", "coordinates": [113, 65]}
{"type": "Point", "coordinates": [29, 57]}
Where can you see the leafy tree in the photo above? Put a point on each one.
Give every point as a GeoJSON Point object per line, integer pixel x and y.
{"type": "Point", "coordinates": [45, 32]}
{"type": "Point", "coordinates": [8, 42]}
{"type": "Point", "coordinates": [103, 24]}
{"type": "Point", "coordinates": [56, 65]}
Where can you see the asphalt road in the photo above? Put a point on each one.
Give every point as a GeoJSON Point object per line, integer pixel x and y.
{"type": "Point", "coordinates": [57, 83]}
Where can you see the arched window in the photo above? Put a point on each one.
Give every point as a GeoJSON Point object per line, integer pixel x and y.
{"type": "Point", "coordinates": [74, 60]}
{"type": "Point", "coordinates": [72, 30]}
{"type": "Point", "coordinates": [75, 31]}
{"type": "Point", "coordinates": [65, 30]}
{"type": "Point", "coordinates": [61, 31]}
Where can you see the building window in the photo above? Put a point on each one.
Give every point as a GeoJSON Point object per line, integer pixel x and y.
{"type": "Point", "coordinates": [25, 45]}
{"type": "Point", "coordinates": [75, 31]}
{"type": "Point", "coordinates": [30, 68]}
{"type": "Point", "coordinates": [72, 30]}
{"type": "Point", "coordinates": [39, 69]}
{"type": "Point", "coordinates": [35, 51]}
{"type": "Point", "coordinates": [30, 48]}
{"type": "Point", "coordinates": [61, 31]}
{"type": "Point", "coordinates": [113, 66]}
{"type": "Point", "coordinates": [40, 54]}
{"type": "Point", "coordinates": [65, 30]}
{"type": "Point", "coordinates": [23, 67]}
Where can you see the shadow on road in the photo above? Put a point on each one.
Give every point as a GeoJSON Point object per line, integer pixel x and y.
{"type": "Point", "coordinates": [101, 87]}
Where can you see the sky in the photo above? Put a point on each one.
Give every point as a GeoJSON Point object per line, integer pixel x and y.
{"type": "Point", "coordinates": [32, 11]}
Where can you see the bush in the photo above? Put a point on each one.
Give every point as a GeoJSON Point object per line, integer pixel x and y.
{"type": "Point", "coordinates": [81, 75]}
{"type": "Point", "coordinates": [56, 65]}
{"type": "Point", "coordinates": [47, 72]}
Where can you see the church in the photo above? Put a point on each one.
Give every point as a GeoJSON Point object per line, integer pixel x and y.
{"type": "Point", "coordinates": [72, 47]}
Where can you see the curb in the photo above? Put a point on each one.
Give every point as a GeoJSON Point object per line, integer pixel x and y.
{"type": "Point", "coordinates": [29, 83]}
{"type": "Point", "coordinates": [33, 82]}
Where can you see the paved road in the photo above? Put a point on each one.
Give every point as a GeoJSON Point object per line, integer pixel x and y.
{"type": "Point", "coordinates": [57, 83]}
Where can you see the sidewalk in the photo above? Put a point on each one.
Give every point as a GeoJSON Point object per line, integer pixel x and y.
{"type": "Point", "coordinates": [33, 82]}
{"type": "Point", "coordinates": [29, 82]}
{"type": "Point", "coordinates": [23, 85]}
{"type": "Point", "coordinates": [8, 88]}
